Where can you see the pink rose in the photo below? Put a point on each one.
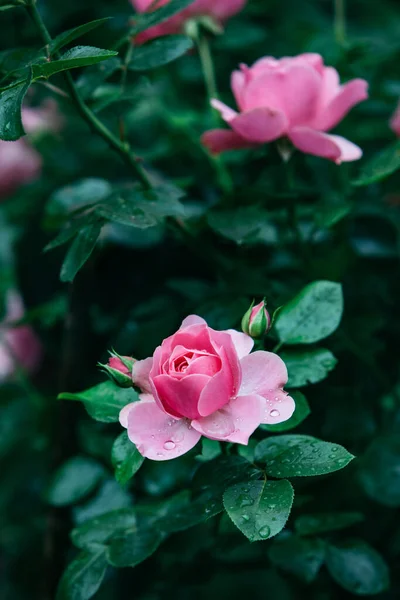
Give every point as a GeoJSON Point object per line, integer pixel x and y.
{"type": "Point", "coordinates": [219, 10]}
{"type": "Point", "coordinates": [395, 121]}
{"type": "Point", "coordinates": [204, 382]}
{"type": "Point", "coordinates": [18, 345]}
{"type": "Point", "coordinates": [298, 98]}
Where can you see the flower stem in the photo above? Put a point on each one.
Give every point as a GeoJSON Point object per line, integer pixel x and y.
{"type": "Point", "coordinates": [339, 25]}
{"type": "Point", "coordinates": [207, 65]}
{"type": "Point", "coordinates": [120, 147]}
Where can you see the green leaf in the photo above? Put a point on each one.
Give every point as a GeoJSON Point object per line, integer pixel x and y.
{"type": "Point", "coordinates": [259, 509]}
{"type": "Point", "coordinates": [216, 475]}
{"type": "Point", "coordinates": [77, 195]}
{"type": "Point", "coordinates": [303, 558]}
{"type": "Point", "coordinates": [244, 225]}
{"type": "Point", "coordinates": [358, 568]}
{"type": "Point", "coordinates": [69, 36]}
{"type": "Point", "coordinates": [312, 315]}
{"type": "Point", "coordinates": [301, 412]}
{"type": "Point", "coordinates": [79, 252]}
{"type": "Point", "coordinates": [210, 449]}
{"type": "Point", "coordinates": [307, 366]}
{"type": "Point", "coordinates": [80, 56]}
{"type": "Point", "coordinates": [379, 470]}
{"type": "Point", "coordinates": [103, 402]}
{"type": "Point", "coordinates": [300, 456]}
{"type": "Point", "coordinates": [94, 76]}
{"type": "Point", "coordinates": [380, 166]}
{"type": "Point", "coordinates": [103, 528]}
{"type": "Point", "coordinates": [11, 99]}
{"type": "Point", "coordinates": [83, 576]}
{"type": "Point", "coordinates": [148, 19]}
{"type": "Point", "coordinates": [317, 523]}
{"type": "Point", "coordinates": [327, 215]}
{"type": "Point", "coordinates": [126, 458]}
{"type": "Point", "coordinates": [134, 548]}
{"type": "Point", "coordinates": [159, 52]}
{"type": "Point", "coordinates": [74, 480]}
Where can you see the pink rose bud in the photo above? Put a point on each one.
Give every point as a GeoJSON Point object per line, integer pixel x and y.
{"type": "Point", "coordinates": [19, 346]}
{"type": "Point", "coordinates": [395, 121]}
{"type": "Point", "coordinates": [217, 10]}
{"type": "Point", "coordinates": [256, 322]}
{"type": "Point", "coordinates": [297, 98]}
{"type": "Point", "coordinates": [119, 369]}
{"type": "Point", "coordinates": [202, 382]}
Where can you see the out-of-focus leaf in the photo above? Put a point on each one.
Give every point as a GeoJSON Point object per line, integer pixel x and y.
{"type": "Point", "coordinates": [259, 509]}
{"type": "Point", "coordinates": [80, 56]}
{"type": "Point", "coordinates": [317, 523]}
{"type": "Point", "coordinates": [358, 568]}
{"type": "Point", "coordinates": [103, 528]}
{"type": "Point", "coordinates": [133, 548]}
{"type": "Point", "coordinates": [312, 315]}
{"type": "Point", "coordinates": [380, 470]}
{"type": "Point", "coordinates": [74, 480]}
{"type": "Point", "coordinates": [83, 576]}
{"type": "Point", "coordinates": [380, 166]}
{"type": "Point", "coordinates": [79, 252]}
{"type": "Point", "coordinates": [303, 558]}
{"type": "Point", "coordinates": [69, 36]}
{"type": "Point", "coordinates": [159, 52]}
{"type": "Point", "coordinates": [244, 225]}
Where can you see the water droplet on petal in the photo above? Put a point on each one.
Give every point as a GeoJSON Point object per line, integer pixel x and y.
{"type": "Point", "coordinates": [170, 445]}
{"type": "Point", "coordinates": [160, 454]}
{"type": "Point", "coordinates": [274, 413]}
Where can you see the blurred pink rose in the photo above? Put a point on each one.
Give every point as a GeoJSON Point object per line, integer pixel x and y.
{"type": "Point", "coordinates": [395, 121]}
{"type": "Point", "coordinates": [219, 10]}
{"type": "Point", "coordinates": [18, 345]}
{"type": "Point", "coordinates": [298, 98]}
{"type": "Point", "coordinates": [20, 163]}
{"type": "Point", "coordinates": [204, 382]}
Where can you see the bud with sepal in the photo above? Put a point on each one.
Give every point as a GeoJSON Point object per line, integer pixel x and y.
{"type": "Point", "coordinates": [119, 369]}
{"type": "Point", "coordinates": [256, 322]}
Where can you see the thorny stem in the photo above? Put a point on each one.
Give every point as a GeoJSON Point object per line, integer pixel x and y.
{"type": "Point", "coordinates": [120, 147]}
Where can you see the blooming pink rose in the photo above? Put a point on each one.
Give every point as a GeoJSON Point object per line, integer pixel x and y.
{"type": "Point", "coordinates": [20, 163]}
{"type": "Point", "coordinates": [395, 121]}
{"type": "Point", "coordinates": [219, 10]}
{"type": "Point", "coordinates": [298, 98]}
{"type": "Point", "coordinates": [18, 345]}
{"type": "Point", "coordinates": [204, 382]}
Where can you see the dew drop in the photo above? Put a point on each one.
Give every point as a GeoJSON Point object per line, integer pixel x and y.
{"type": "Point", "coordinates": [170, 445]}
{"type": "Point", "coordinates": [274, 413]}
{"type": "Point", "coordinates": [153, 437]}
{"type": "Point", "coordinates": [160, 454]}
{"type": "Point", "coordinates": [264, 532]}
{"type": "Point", "coordinates": [245, 518]}
{"type": "Point", "coordinates": [245, 501]}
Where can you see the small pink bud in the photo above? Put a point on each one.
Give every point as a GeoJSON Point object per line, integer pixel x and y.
{"type": "Point", "coordinates": [119, 369]}
{"type": "Point", "coordinates": [117, 364]}
{"type": "Point", "coordinates": [257, 321]}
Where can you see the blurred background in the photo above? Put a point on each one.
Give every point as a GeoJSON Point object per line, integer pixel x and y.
{"type": "Point", "coordinates": [141, 281]}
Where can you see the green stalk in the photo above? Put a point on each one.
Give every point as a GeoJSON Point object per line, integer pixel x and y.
{"type": "Point", "coordinates": [121, 148]}
{"type": "Point", "coordinates": [339, 25]}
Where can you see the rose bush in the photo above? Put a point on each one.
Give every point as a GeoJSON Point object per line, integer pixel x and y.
{"type": "Point", "coordinates": [204, 382]}
{"type": "Point", "coordinates": [219, 10]}
{"type": "Point", "coordinates": [298, 98]}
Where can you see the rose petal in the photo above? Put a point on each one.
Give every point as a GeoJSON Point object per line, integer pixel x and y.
{"type": "Point", "coordinates": [141, 372]}
{"type": "Point", "coordinates": [332, 147]}
{"type": "Point", "coordinates": [225, 111]}
{"type": "Point", "coordinates": [181, 397]}
{"type": "Point", "coordinates": [247, 413]}
{"type": "Point", "coordinates": [346, 97]}
{"type": "Point", "coordinates": [262, 373]}
{"type": "Point", "coordinates": [223, 140]}
{"type": "Point", "coordinates": [278, 408]}
{"type": "Point", "coordinates": [123, 415]}
{"type": "Point", "coordinates": [238, 83]}
{"type": "Point", "coordinates": [192, 320]}
{"type": "Point", "coordinates": [243, 343]}
{"type": "Point", "coordinates": [259, 125]}
{"type": "Point", "coordinates": [218, 426]}
{"type": "Point", "coordinates": [292, 90]}
{"type": "Point", "coordinates": [157, 435]}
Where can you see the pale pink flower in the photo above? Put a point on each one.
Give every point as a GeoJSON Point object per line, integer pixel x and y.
{"type": "Point", "coordinates": [395, 121]}
{"type": "Point", "coordinates": [298, 98]}
{"type": "Point", "coordinates": [19, 346]}
{"type": "Point", "coordinates": [202, 382]}
{"type": "Point", "coordinates": [219, 10]}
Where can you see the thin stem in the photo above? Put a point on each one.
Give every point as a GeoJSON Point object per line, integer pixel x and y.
{"type": "Point", "coordinates": [277, 347]}
{"type": "Point", "coordinates": [339, 24]}
{"type": "Point", "coordinates": [207, 65]}
{"type": "Point", "coordinates": [120, 147]}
